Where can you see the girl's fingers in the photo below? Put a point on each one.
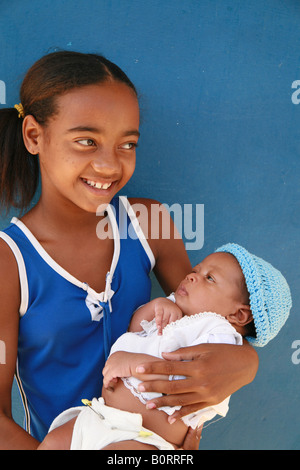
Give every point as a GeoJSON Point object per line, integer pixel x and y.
{"type": "Point", "coordinates": [165, 368]}
{"type": "Point", "coordinates": [183, 400]}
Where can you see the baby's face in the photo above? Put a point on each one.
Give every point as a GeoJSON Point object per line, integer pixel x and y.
{"type": "Point", "coordinates": [215, 285]}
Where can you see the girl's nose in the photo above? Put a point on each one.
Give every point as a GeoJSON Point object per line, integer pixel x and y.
{"type": "Point", "coordinates": [105, 161]}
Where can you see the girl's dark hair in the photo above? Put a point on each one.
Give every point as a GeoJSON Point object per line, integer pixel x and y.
{"type": "Point", "coordinates": [51, 76]}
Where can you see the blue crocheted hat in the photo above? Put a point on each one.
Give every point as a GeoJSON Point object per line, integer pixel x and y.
{"type": "Point", "coordinates": [270, 297]}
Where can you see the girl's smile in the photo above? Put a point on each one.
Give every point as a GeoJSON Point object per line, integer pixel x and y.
{"type": "Point", "coordinates": [99, 188]}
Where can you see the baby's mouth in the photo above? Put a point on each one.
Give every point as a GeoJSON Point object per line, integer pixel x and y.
{"type": "Point", "coordinates": [181, 290]}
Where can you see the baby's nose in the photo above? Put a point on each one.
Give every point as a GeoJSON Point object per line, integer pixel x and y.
{"type": "Point", "coordinates": [192, 277]}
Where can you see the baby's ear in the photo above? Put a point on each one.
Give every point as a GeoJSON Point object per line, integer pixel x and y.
{"type": "Point", "coordinates": [242, 316]}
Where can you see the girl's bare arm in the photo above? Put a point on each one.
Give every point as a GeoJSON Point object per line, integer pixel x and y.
{"type": "Point", "coordinates": [12, 436]}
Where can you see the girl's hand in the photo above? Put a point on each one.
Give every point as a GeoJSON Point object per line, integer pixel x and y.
{"type": "Point", "coordinates": [165, 312]}
{"type": "Point", "coordinates": [213, 372]}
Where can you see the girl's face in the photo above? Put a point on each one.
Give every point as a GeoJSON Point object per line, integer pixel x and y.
{"type": "Point", "coordinates": [87, 150]}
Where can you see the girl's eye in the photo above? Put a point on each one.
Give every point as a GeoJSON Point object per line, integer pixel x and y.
{"type": "Point", "coordinates": [86, 142]}
{"type": "Point", "coordinates": [129, 146]}
{"type": "Point", "coordinates": [210, 278]}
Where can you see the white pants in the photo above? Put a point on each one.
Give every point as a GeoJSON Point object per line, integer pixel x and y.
{"type": "Point", "coordinates": [102, 425]}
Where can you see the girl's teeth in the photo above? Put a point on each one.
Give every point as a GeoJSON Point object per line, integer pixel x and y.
{"type": "Point", "coordinates": [98, 185]}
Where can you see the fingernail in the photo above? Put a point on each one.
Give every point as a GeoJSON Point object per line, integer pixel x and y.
{"type": "Point", "coordinates": [141, 388]}
{"type": "Point", "coordinates": [171, 420]}
{"type": "Point", "coordinates": [150, 406]}
{"type": "Point", "coordinates": [140, 369]}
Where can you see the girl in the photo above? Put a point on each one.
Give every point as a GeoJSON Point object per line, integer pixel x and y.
{"type": "Point", "coordinates": [67, 291]}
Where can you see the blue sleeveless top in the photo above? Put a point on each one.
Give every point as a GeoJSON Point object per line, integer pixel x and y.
{"type": "Point", "coordinates": [62, 320]}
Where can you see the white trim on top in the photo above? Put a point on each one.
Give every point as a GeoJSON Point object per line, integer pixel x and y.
{"type": "Point", "coordinates": [27, 420]}
{"type": "Point", "coordinates": [138, 230]}
{"type": "Point", "coordinates": [59, 269]}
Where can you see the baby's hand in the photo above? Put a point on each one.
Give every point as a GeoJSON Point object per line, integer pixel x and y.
{"type": "Point", "coordinates": [165, 312]}
{"type": "Point", "coordinates": [117, 365]}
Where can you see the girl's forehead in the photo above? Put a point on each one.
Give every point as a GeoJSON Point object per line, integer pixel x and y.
{"type": "Point", "coordinates": [100, 101]}
{"type": "Point", "coordinates": [96, 94]}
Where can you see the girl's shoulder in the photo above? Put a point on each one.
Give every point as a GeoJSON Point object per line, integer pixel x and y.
{"type": "Point", "coordinates": [9, 318]}
{"type": "Point", "coordinates": [151, 211]}
{"type": "Point", "coordinates": [154, 219]}
{"type": "Point", "coordinates": [9, 275]}
{"type": "Point", "coordinates": [7, 258]}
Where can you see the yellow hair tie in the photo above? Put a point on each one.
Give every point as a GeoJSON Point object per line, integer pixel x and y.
{"type": "Point", "coordinates": [20, 109]}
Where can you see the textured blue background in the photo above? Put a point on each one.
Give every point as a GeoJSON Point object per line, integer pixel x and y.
{"type": "Point", "coordinates": [219, 128]}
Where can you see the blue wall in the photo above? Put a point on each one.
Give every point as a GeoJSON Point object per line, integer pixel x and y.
{"type": "Point", "coordinates": [220, 127]}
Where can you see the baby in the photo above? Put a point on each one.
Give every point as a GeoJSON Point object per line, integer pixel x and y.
{"type": "Point", "coordinates": [231, 294]}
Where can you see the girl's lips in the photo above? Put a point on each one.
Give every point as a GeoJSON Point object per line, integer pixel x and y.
{"type": "Point", "coordinates": [99, 187]}
{"type": "Point", "coordinates": [97, 184]}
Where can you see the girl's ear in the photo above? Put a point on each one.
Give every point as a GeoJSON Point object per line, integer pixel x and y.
{"type": "Point", "coordinates": [242, 316]}
{"type": "Point", "coordinates": [31, 133]}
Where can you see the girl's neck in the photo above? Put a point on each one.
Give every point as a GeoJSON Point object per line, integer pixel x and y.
{"type": "Point", "coordinates": [46, 221]}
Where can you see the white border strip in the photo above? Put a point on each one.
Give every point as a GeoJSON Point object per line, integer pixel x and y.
{"type": "Point", "coordinates": [138, 229]}
{"type": "Point", "coordinates": [43, 253]}
{"type": "Point", "coordinates": [59, 269]}
{"type": "Point", "coordinates": [27, 422]}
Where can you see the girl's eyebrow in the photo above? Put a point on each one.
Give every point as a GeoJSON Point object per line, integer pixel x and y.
{"type": "Point", "coordinates": [99, 130]}
{"type": "Point", "coordinates": [132, 132]}
{"type": "Point", "coordinates": [84, 129]}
